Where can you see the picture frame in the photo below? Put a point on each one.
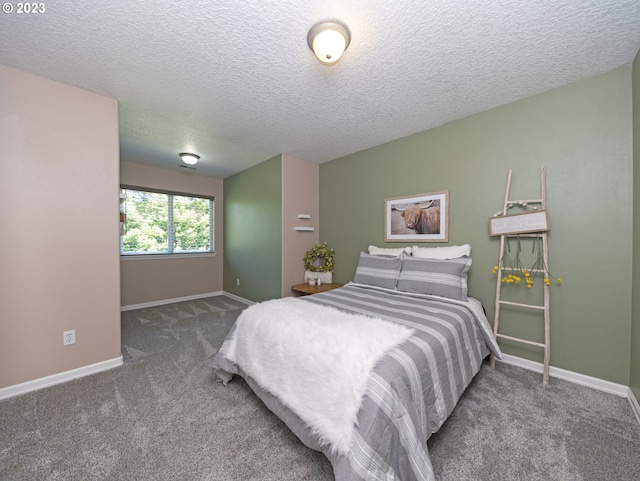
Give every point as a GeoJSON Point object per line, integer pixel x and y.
{"type": "Point", "coordinates": [417, 218]}
{"type": "Point", "coordinates": [524, 223]}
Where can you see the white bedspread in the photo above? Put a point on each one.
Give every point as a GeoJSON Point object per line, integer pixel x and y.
{"type": "Point", "coordinates": [324, 342]}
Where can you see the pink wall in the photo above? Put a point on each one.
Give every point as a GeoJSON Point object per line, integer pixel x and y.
{"type": "Point", "coordinates": [152, 280]}
{"type": "Point", "coordinates": [300, 194]}
{"type": "Point", "coordinates": [59, 153]}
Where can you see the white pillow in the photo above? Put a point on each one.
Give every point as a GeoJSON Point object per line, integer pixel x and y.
{"type": "Point", "coordinates": [450, 252]}
{"type": "Point", "coordinates": [381, 251]}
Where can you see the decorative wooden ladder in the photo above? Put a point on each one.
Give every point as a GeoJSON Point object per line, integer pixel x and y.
{"type": "Point", "coordinates": [546, 345]}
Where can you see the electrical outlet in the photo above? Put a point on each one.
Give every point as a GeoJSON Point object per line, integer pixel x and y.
{"type": "Point", "coordinates": [69, 337]}
{"type": "Point", "coordinates": [238, 282]}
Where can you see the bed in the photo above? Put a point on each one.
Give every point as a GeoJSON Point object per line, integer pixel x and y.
{"type": "Point", "coordinates": [401, 342]}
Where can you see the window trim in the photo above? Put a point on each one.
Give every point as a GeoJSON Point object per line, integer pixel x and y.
{"type": "Point", "coordinates": [172, 255]}
{"type": "Point", "coordinates": [167, 255]}
{"type": "Point", "coordinates": [164, 191]}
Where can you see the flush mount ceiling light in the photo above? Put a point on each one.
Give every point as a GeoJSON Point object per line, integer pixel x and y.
{"type": "Point", "coordinates": [189, 159]}
{"type": "Point", "coordinates": [329, 39]}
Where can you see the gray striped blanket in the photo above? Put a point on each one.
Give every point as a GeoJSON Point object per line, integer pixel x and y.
{"type": "Point", "coordinates": [410, 393]}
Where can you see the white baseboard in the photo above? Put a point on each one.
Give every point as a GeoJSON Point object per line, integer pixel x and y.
{"type": "Point", "coordinates": [634, 404]}
{"type": "Point", "coordinates": [238, 298]}
{"type": "Point", "coordinates": [162, 302]}
{"type": "Point", "coordinates": [592, 382]}
{"type": "Point", "coordinates": [43, 382]}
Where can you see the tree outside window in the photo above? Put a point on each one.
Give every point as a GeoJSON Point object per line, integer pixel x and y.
{"type": "Point", "coordinates": [165, 223]}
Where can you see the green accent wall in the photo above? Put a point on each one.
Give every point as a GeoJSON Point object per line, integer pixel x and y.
{"type": "Point", "coordinates": [582, 134]}
{"type": "Point", "coordinates": [253, 231]}
{"type": "Point", "coordinates": [635, 320]}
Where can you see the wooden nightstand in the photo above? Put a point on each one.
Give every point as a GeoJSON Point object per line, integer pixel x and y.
{"type": "Point", "coordinates": [306, 289]}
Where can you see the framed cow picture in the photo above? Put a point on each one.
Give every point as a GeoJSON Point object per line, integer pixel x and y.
{"type": "Point", "coordinates": [417, 218]}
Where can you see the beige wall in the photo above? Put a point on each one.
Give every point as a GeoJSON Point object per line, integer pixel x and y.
{"type": "Point", "coordinates": [152, 280]}
{"type": "Point", "coordinates": [300, 195]}
{"type": "Point", "coordinates": [58, 228]}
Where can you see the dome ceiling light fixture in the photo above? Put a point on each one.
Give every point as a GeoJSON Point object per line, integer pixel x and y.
{"type": "Point", "coordinates": [189, 159]}
{"type": "Point", "coordinates": [328, 39]}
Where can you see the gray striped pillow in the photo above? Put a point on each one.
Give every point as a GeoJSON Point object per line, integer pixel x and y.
{"type": "Point", "coordinates": [379, 271]}
{"type": "Point", "coordinates": [437, 277]}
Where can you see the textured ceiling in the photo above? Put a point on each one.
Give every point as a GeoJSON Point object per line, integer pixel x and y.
{"type": "Point", "coordinates": [234, 80]}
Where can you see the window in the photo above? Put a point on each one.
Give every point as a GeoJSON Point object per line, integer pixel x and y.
{"type": "Point", "coordinates": [154, 222]}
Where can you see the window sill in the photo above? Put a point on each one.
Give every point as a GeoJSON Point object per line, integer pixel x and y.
{"type": "Point", "coordinates": [149, 257]}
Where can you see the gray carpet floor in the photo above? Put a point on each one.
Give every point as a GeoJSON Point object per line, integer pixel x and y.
{"type": "Point", "coordinates": [162, 416]}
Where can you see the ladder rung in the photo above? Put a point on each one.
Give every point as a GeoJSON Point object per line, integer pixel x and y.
{"type": "Point", "coordinates": [511, 338]}
{"type": "Point", "coordinates": [513, 269]}
{"type": "Point", "coordinates": [532, 201]}
{"type": "Point", "coordinates": [533, 234]}
{"type": "Point", "coordinates": [530, 306]}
